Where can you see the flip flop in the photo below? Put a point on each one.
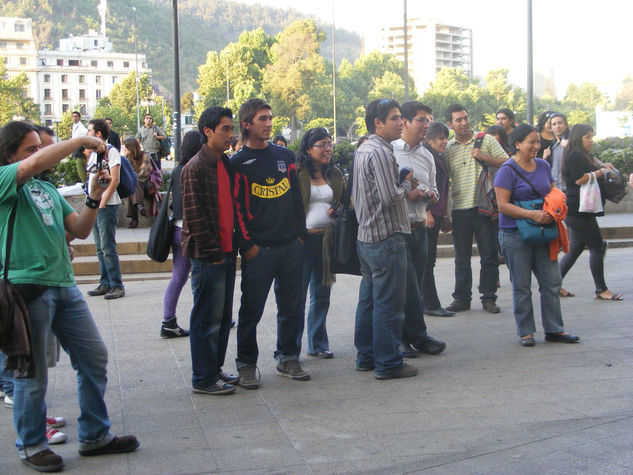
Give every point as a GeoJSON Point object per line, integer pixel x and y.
{"type": "Point", "coordinates": [566, 293]}
{"type": "Point", "coordinates": [613, 297]}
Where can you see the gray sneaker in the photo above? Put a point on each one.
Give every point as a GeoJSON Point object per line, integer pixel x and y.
{"type": "Point", "coordinates": [115, 293]}
{"type": "Point", "coordinates": [292, 369]}
{"type": "Point", "coordinates": [248, 377]}
{"type": "Point", "coordinates": [218, 388]}
{"type": "Point", "coordinates": [101, 290]}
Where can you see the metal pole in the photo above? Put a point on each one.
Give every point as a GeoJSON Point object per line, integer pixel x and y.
{"type": "Point", "coordinates": [176, 82]}
{"type": "Point", "coordinates": [530, 78]}
{"type": "Point", "coordinates": [138, 111]}
{"type": "Point", "coordinates": [334, 71]}
{"type": "Point", "coordinates": [406, 55]}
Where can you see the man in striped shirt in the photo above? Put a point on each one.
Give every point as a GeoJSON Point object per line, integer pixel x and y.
{"type": "Point", "coordinates": [379, 200]}
{"type": "Point", "coordinates": [465, 164]}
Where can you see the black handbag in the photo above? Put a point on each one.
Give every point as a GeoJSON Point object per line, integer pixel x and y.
{"type": "Point", "coordinates": [344, 255]}
{"type": "Point", "coordinates": [614, 187]}
{"type": "Point", "coordinates": [160, 236]}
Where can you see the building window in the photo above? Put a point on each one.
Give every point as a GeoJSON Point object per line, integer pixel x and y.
{"type": "Point", "coordinates": [23, 60]}
{"type": "Point", "coordinates": [115, 79]}
{"type": "Point", "coordinates": [19, 27]}
{"type": "Point", "coordinates": [82, 109]}
{"type": "Point", "coordinates": [19, 46]}
{"type": "Point", "coordinates": [47, 78]}
{"type": "Point", "coordinates": [110, 64]}
{"type": "Point", "coordinates": [126, 64]}
{"type": "Point", "coordinates": [65, 108]}
{"type": "Point", "coordinates": [48, 110]}
{"type": "Point", "coordinates": [3, 45]}
{"type": "Point", "coordinates": [65, 94]}
{"type": "Point", "coordinates": [95, 42]}
{"type": "Point", "coordinates": [98, 79]}
{"type": "Point", "coordinates": [98, 94]}
{"type": "Point", "coordinates": [64, 78]}
{"type": "Point", "coordinates": [144, 65]}
{"type": "Point", "coordinates": [82, 79]}
{"type": "Point", "coordinates": [47, 93]}
{"type": "Point", "coordinates": [74, 62]}
{"type": "Point", "coordinates": [60, 62]}
{"type": "Point", "coordinates": [93, 63]}
{"type": "Point", "coordinates": [82, 94]}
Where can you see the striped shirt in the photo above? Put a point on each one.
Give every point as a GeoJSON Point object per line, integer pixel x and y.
{"type": "Point", "coordinates": [464, 170]}
{"type": "Point", "coordinates": [379, 199]}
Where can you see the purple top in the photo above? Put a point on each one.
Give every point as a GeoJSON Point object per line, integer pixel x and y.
{"type": "Point", "coordinates": [506, 178]}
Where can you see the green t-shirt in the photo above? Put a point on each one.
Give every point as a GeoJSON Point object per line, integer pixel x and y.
{"type": "Point", "coordinates": [39, 254]}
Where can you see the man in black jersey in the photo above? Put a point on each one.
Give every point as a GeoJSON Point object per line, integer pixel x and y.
{"type": "Point", "coordinates": [270, 229]}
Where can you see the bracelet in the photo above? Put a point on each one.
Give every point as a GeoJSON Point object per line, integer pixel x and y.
{"type": "Point", "coordinates": [92, 204]}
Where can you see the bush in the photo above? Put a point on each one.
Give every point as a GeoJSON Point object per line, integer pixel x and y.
{"type": "Point", "coordinates": [66, 173]}
{"type": "Point", "coordinates": [166, 178]}
{"type": "Point", "coordinates": [617, 150]}
{"type": "Point", "coordinates": [343, 156]}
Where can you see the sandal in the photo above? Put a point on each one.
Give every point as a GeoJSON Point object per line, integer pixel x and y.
{"type": "Point", "coordinates": [600, 296]}
{"type": "Point", "coordinates": [566, 293]}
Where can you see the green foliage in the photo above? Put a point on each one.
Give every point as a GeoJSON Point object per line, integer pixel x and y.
{"type": "Point", "coordinates": [13, 97]}
{"type": "Point", "coordinates": [324, 122]}
{"type": "Point", "coordinates": [616, 150]}
{"type": "Point", "coordinates": [64, 128]}
{"type": "Point", "coordinates": [343, 155]}
{"type": "Point", "coordinates": [279, 122]}
{"type": "Point", "coordinates": [66, 173]}
{"type": "Point", "coordinates": [624, 99]}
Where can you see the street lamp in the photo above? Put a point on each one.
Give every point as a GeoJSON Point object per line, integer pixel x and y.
{"type": "Point", "coordinates": [138, 112]}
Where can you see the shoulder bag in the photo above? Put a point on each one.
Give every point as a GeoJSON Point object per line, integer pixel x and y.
{"type": "Point", "coordinates": [344, 255]}
{"type": "Point", "coordinates": [160, 236]}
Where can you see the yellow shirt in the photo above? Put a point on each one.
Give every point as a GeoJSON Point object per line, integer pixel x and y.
{"type": "Point", "coordinates": [464, 170]}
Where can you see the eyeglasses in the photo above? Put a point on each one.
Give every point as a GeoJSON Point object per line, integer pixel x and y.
{"type": "Point", "coordinates": [421, 120]}
{"type": "Point", "coordinates": [324, 145]}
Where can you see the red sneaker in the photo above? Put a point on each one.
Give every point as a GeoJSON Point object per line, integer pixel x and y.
{"type": "Point", "coordinates": [55, 422]}
{"type": "Point", "coordinates": [54, 436]}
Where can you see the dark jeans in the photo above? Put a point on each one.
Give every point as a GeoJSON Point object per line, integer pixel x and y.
{"type": "Point", "coordinates": [429, 291]}
{"type": "Point", "coordinates": [466, 223]}
{"type": "Point", "coordinates": [210, 323]}
{"type": "Point", "coordinates": [414, 326]}
{"type": "Point", "coordinates": [104, 233]}
{"type": "Point", "coordinates": [156, 159]}
{"type": "Point", "coordinates": [584, 231]}
{"type": "Point", "coordinates": [282, 264]}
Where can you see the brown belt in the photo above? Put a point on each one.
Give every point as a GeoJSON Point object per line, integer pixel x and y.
{"type": "Point", "coordinates": [417, 225]}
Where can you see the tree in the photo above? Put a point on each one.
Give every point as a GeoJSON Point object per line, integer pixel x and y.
{"type": "Point", "coordinates": [502, 94]}
{"type": "Point", "coordinates": [14, 100]}
{"type": "Point", "coordinates": [187, 103]}
{"type": "Point", "coordinates": [581, 102]}
{"type": "Point", "coordinates": [624, 99]}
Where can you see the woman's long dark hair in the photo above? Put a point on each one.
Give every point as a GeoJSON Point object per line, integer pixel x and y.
{"type": "Point", "coordinates": [503, 135]}
{"type": "Point", "coordinates": [135, 154]}
{"type": "Point", "coordinates": [308, 140]}
{"type": "Point", "coordinates": [191, 144]}
{"type": "Point", "coordinates": [574, 144]}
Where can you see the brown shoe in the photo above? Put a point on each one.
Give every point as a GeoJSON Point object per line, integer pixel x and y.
{"type": "Point", "coordinates": [118, 445]}
{"type": "Point", "coordinates": [405, 371]}
{"type": "Point", "coordinates": [490, 306]}
{"type": "Point", "coordinates": [44, 461]}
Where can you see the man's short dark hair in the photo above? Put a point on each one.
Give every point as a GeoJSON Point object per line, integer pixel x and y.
{"type": "Point", "coordinates": [147, 115]}
{"type": "Point", "coordinates": [247, 113]}
{"type": "Point", "coordinates": [100, 125]}
{"type": "Point", "coordinates": [76, 112]}
{"type": "Point", "coordinates": [45, 130]}
{"type": "Point", "coordinates": [108, 118]}
{"type": "Point", "coordinates": [11, 137]}
{"type": "Point", "coordinates": [378, 109]}
{"type": "Point", "coordinates": [436, 130]}
{"type": "Point", "coordinates": [507, 112]}
{"type": "Point", "coordinates": [211, 117]}
{"type": "Point", "coordinates": [280, 137]}
{"type": "Point", "coordinates": [410, 109]}
{"type": "Point", "coordinates": [448, 115]}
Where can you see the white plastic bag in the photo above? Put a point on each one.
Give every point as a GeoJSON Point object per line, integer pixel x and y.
{"type": "Point", "coordinates": [590, 197]}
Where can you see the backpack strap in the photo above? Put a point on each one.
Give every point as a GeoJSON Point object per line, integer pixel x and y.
{"type": "Point", "coordinates": [7, 256]}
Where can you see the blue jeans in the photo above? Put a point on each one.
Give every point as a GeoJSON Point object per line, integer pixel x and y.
{"type": "Point", "coordinates": [104, 233]}
{"type": "Point", "coordinates": [414, 325]}
{"type": "Point", "coordinates": [466, 223]}
{"type": "Point", "coordinates": [6, 376]}
{"type": "Point", "coordinates": [523, 259]}
{"type": "Point", "coordinates": [210, 323]}
{"type": "Point", "coordinates": [283, 265]}
{"type": "Point", "coordinates": [381, 299]}
{"type": "Point", "coordinates": [64, 310]}
{"type": "Point", "coordinates": [319, 295]}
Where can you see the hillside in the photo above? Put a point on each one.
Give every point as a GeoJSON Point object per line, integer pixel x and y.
{"type": "Point", "coordinates": [204, 25]}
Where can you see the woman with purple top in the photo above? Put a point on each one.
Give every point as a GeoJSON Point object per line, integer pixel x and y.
{"type": "Point", "coordinates": [436, 219]}
{"type": "Point", "coordinates": [191, 144]}
{"type": "Point", "coordinates": [525, 177]}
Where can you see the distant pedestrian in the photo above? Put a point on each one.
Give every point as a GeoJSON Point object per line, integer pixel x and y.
{"type": "Point", "coordinates": [505, 119]}
{"type": "Point", "coordinates": [280, 140]}
{"type": "Point", "coordinates": [113, 137]}
{"type": "Point", "coordinates": [150, 136]}
{"type": "Point", "coordinates": [77, 129]}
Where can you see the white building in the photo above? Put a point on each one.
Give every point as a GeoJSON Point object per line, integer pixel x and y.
{"type": "Point", "coordinates": [432, 45]}
{"type": "Point", "coordinates": [77, 75]}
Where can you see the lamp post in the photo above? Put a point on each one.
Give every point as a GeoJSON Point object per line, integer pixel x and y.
{"type": "Point", "coordinates": [530, 78]}
{"type": "Point", "coordinates": [138, 111]}
{"type": "Point", "coordinates": [176, 80]}
{"type": "Point", "coordinates": [334, 71]}
{"type": "Point", "coordinates": [406, 53]}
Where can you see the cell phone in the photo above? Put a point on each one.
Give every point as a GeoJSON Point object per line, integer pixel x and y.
{"type": "Point", "coordinates": [103, 183]}
{"type": "Point", "coordinates": [404, 171]}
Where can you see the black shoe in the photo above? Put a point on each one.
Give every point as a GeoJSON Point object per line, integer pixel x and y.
{"type": "Point", "coordinates": [527, 341]}
{"type": "Point", "coordinates": [44, 461]}
{"type": "Point", "coordinates": [458, 306]}
{"type": "Point", "coordinates": [405, 371]}
{"type": "Point", "coordinates": [324, 355]}
{"type": "Point", "coordinates": [430, 345]}
{"type": "Point", "coordinates": [407, 350]}
{"type": "Point", "coordinates": [558, 338]}
{"type": "Point", "coordinates": [219, 388]}
{"type": "Point", "coordinates": [490, 306]}
{"type": "Point", "coordinates": [439, 312]}
{"type": "Point", "coordinates": [118, 445]}
{"type": "Point", "coordinates": [142, 211]}
{"type": "Point", "coordinates": [170, 329]}
{"type": "Point", "coordinates": [228, 378]}
{"type": "Point", "coordinates": [101, 290]}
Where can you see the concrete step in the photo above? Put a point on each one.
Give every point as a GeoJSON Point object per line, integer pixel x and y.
{"type": "Point", "coordinates": [130, 264]}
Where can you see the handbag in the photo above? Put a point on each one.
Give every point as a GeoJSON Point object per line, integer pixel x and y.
{"type": "Point", "coordinates": [615, 186]}
{"type": "Point", "coordinates": [590, 196]}
{"type": "Point", "coordinates": [344, 255]}
{"type": "Point", "coordinates": [165, 146]}
{"type": "Point", "coordinates": [160, 236]}
{"type": "Point", "coordinates": [15, 327]}
{"type": "Point", "coordinates": [533, 233]}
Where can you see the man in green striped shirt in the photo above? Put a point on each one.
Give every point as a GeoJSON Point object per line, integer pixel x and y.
{"type": "Point", "coordinates": [466, 163]}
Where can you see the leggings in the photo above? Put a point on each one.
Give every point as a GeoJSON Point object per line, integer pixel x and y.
{"type": "Point", "coordinates": [584, 231]}
{"type": "Point", "coordinates": [179, 277]}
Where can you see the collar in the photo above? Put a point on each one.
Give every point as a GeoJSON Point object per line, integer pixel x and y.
{"type": "Point", "coordinates": [381, 140]}
{"type": "Point", "coordinates": [403, 145]}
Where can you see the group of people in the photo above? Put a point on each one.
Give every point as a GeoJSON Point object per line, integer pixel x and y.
{"type": "Point", "coordinates": [409, 182]}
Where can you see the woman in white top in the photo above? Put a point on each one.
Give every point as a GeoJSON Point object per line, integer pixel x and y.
{"type": "Point", "coordinates": [322, 185]}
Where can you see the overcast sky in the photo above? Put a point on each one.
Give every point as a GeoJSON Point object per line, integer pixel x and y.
{"type": "Point", "coordinates": [574, 40]}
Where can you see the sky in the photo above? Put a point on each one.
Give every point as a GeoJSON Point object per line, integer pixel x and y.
{"type": "Point", "coordinates": [574, 40]}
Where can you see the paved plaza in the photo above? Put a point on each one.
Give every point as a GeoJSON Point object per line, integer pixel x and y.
{"type": "Point", "coordinates": [487, 405]}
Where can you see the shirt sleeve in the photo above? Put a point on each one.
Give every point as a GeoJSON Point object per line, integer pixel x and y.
{"type": "Point", "coordinates": [493, 148]}
{"type": "Point", "coordinates": [576, 166]}
{"type": "Point", "coordinates": [505, 178]}
{"type": "Point", "coordinates": [388, 188]}
{"type": "Point", "coordinates": [8, 182]}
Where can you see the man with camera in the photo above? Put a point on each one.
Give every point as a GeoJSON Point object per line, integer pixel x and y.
{"type": "Point", "coordinates": [411, 155]}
